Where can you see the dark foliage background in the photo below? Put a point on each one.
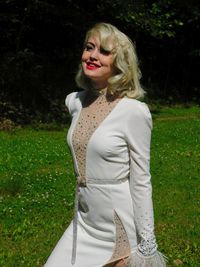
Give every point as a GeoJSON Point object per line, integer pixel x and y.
{"type": "Point", "coordinates": [41, 44]}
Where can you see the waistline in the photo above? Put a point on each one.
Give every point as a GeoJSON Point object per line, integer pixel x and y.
{"type": "Point", "coordinates": [82, 181]}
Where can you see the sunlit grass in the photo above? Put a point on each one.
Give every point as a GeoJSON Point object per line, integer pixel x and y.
{"type": "Point", "coordinates": [176, 178]}
{"type": "Point", "coordinates": [37, 189]}
{"type": "Point", "coordinates": [37, 185]}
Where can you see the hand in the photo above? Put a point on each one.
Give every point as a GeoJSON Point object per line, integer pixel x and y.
{"type": "Point", "coordinates": [120, 263]}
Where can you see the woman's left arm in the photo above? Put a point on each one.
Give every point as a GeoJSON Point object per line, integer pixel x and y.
{"type": "Point", "coordinates": [138, 136]}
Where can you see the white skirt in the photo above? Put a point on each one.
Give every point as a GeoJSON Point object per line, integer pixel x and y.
{"type": "Point", "coordinates": [96, 227]}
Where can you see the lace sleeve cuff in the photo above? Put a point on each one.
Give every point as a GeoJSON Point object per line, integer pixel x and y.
{"type": "Point", "coordinates": [148, 247]}
{"type": "Point", "coordinates": [137, 259]}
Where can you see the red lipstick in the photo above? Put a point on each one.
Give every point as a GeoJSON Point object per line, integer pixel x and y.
{"type": "Point", "coordinates": [92, 66]}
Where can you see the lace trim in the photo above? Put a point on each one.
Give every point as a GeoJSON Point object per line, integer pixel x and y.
{"type": "Point", "coordinates": [148, 247]}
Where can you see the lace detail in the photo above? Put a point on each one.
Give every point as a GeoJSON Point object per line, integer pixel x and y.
{"type": "Point", "coordinates": [148, 247]}
{"type": "Point", "coordinates": [144, 223]}
{"type": "Point", "coordinates": [95, 109]}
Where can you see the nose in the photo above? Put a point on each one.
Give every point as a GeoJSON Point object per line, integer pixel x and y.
{"type": "Point", "coordinates": [94, 54]}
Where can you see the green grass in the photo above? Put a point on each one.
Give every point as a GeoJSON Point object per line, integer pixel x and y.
{"type": "Point", "coordinates": [37, 189]}
{"type": "Point", "coordinates": [175, 172]}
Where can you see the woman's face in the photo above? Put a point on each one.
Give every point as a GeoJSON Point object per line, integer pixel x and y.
{"type": "Point", "coordinates": [97, 63]}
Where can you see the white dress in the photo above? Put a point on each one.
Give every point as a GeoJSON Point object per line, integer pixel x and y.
{"type": "Point", "coordinates": [110, 145]}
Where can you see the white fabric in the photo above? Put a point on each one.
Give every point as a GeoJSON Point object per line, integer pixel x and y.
{"type": "Point", "coordinates": [119, 147]}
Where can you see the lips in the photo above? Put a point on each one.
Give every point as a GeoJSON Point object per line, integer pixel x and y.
{"type": "Point", "coordinates": [92, 66]}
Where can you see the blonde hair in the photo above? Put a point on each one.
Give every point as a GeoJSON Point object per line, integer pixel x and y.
{"type": "Point", "coordinates": [125, 82]}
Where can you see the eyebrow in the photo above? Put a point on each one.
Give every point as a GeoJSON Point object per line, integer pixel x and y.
{"type": "Point", "coordinates": [90, 43]}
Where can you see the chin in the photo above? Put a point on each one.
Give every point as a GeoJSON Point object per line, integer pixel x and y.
{"type": "Point", "coordinates": [90, 75]}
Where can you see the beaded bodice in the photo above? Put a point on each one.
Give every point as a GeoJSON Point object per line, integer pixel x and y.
{"type": "Point", "coordinates": [95, 108]}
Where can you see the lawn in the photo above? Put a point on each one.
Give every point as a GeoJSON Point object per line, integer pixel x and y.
{"type": "Point", "coordinates": [37, 189]}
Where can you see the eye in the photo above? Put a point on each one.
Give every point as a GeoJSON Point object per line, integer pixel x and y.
{"type": "Point", "coordinates": [88, 47]}
{"type": "Point", "coordinates": [104, 51]}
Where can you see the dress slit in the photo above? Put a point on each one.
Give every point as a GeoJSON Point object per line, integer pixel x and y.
{"type": "Point", "coordinates": [122, 250]}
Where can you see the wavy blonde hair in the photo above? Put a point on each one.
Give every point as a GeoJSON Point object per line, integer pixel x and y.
{"type": "Point", "coordinates": [126, 80]}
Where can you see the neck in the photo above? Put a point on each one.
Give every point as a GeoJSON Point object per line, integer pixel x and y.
{"type": "Point", "coordinates": [99, 90]}
{"type": "Point", "coordinates": [99, 85]}
{"type": "Point", "coordinates": [102, 91]}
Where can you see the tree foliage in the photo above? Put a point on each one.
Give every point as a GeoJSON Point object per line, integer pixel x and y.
{"type": "Point", "coordinates": [41, 43]}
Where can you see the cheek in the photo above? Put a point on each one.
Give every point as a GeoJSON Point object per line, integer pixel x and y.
{"type": "Point", "coordinates": [84, 56]}
{"type": "Point", "coordinates": [111, 65]}
{"type": "Point", "coordinates": [110, 62]}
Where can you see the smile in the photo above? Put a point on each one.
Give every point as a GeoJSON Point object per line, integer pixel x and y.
{"type": "Point", "coordinates": [92, 66]}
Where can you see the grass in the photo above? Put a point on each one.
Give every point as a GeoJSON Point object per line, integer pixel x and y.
{"type": "Point", "coordinates": [37, 189]}
{"type": "Point", "coordinates": [176, 174]}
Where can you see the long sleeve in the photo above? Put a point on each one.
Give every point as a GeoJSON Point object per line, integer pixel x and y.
{"type": "Point", "coordinates": [138, 137]}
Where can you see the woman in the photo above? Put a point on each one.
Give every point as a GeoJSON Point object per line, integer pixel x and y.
{"type": "Point", "coordinates": [109, 139]}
